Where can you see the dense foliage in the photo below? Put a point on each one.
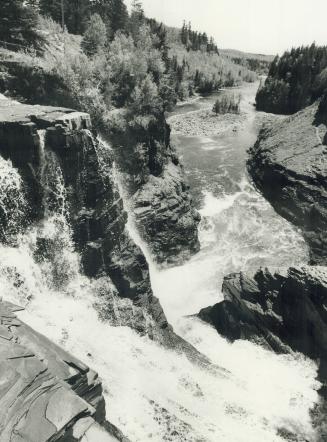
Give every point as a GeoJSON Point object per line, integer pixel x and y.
{"type": "Point", "coordinates": [127, 70]}
{"type": "Point", "coordinates": [18, 23]}
{"type": "Point", "coordinates": [75, 14]}
{"type": "Point", "coordinates": [227, 103]}
{"type": "Point", "coordinates": [197, 41]}
{"type": "Point", "coordinates": [295, 80]}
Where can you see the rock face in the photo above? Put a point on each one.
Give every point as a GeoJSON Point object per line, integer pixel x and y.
{"type": "Point", "coordinates": [288, 164]}
{"type": "Point", "coordinates": [39, 140]}
{"type": "Point", "coordinates": [165, 214]}
{"type": "Point", "coordinates": [46, 394]}
{"type": "Point", "coordinates": [42, 140]}
{"type": "Point", "coordinates": [284, 311]}
{"type": "Point", "coordinates": [160, 199]}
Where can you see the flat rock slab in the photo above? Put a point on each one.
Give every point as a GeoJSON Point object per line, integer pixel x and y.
{"type": "Point", "coordinates": [42, 387]}
{"type": "Point", "coordinates": [14, 112]}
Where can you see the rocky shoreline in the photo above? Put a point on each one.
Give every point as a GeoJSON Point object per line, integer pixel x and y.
{"type": "Point", "coordinates": [205, 123]}
{"type": "Point", "coordinates": [288, 166]}
{"type": "Point", "coordinates": [285, 310]}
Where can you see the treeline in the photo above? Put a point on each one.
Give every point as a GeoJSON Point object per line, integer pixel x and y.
{"type": "Point", "coordinates": [295, 80]}
{"type": "Point", "coordinates": [127, 69]}
{"type": "Point", "coordinates": [254, 64]}
{"type": "Point", "coordinates": [197, 41]}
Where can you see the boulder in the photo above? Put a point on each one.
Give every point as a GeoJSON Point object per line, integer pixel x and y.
{"type": "Point", "coordinates": [284, 311]}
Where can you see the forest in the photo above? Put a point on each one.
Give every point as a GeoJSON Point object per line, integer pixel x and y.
{"type": "Point", "coordinates": [112, 60]}
{"type": "Point", "coordinates": [295, 80]}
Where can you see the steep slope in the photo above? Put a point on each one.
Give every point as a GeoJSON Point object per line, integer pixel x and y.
{"type": "Point", "coordinates": [58, 178]}
{"type": "Point", "coordinates": [288, 165]}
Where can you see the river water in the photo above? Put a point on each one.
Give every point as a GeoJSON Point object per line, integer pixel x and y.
{"type": "Point", "coordinates": [154, 394]}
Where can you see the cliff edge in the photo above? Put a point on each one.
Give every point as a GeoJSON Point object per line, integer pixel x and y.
{"type": "Point", "coordinates": [288, 164]}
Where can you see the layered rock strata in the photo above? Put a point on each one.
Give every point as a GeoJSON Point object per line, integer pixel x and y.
{"type": "Point", "coordinates": [288, 165]}
{"type": "Point", "coordinates": [284, 311]}
{"type": "Point", "coordinates": [94, 207]}
{"type": "Point", "coordinates": [160, 198]}
{"type": "Point", "coordinates": [46, 394]}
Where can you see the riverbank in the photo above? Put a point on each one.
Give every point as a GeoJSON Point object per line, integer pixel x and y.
{"type": "Point", "coordinates": [239, 230]}
{"type": "Point", "coordinates": [205, 123]}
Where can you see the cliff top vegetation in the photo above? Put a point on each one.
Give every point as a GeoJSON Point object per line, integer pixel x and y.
{"type": "Point", "coordinates": [295, 80]}
{"type": "Point", "coordinates": [124, 69]}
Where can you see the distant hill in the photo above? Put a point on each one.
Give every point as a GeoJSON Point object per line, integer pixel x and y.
{"type": "Point", "coordinates": [255, 62]}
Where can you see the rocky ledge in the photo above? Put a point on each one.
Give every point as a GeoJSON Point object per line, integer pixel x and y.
{"type": "Point", "coordinates": [289, 166]}
{"type": "Point", "coordinates": [42, 140]}
{"type": "Point", "coordinates": [163, 210]}
{"type": "Point", "coordinates": [284, 311]}
{"type": "Point", "coordinates": [46, 394]}
{"type": "Point", "coordinates": [159, 196]}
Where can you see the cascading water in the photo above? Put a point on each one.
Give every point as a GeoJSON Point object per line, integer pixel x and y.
{"type": "Point", "coordinates": [12, 200]}
{"type": "Point", "coordinates": [154, 394]}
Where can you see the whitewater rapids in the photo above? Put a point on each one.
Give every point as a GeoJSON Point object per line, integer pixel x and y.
{"type": "Point", "coordinates": [153, 394]}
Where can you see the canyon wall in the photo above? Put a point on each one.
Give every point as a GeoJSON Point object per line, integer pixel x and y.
{"type": "Point", "coordinates": [67, 176]}
{"type": "Point", "coordinates": [160, 199]}
{"type": "Point", "coordinates": [288, 166]}
{"type": "Point", "coordinates": [155, 182]}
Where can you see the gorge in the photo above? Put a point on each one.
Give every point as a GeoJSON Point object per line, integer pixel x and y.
{"type": "Point", "coordinates": [140, 214]}
{"type": "Point", "coordinates": [87, 316]}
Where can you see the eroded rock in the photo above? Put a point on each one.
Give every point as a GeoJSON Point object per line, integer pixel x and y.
{"type": "Point", "coordinates": [285, 310]}
{"type": "Point", "coordinates": [46, 394]}
{"type": "Point", "coordinates": [289, 166]}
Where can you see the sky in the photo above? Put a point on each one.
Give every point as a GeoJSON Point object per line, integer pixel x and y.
{"type": "Point", "coordinates": [260, 26]}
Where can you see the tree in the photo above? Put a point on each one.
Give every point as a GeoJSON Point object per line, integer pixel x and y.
{"type": "Point", "coordinates": [113, 13]}
{"type": "Point", "coordinates": [145, 99]}
{"type": "Point", "coordinates": [136, 18]}
{"type": "Point", "coordinates": [18, 23]}
{"type": "Point", "coordinates": [75, 12]}
{"type": "Point", "coordinates": [95, 36]}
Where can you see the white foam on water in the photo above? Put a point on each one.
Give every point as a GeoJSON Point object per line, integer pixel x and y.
{"type": "Point", "coordinates": [154, 394]}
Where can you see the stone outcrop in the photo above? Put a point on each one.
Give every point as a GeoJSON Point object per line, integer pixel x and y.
{"type": "Point", "coordinates": [94, 206]}
{"type": "Point", "coordinates": [164, 213]}
{"type": "Point", "coordinates": [288, 165]}
{"type": "Point", "coordinates": [46, 394]}
{"type": "Point", "coordinates": [284, 311]}
{"type": "Point", "coordinates": [166, 219]}
{"type": "Point", "coordinates": [160, 199]}
{"type": "Point", "coordinates": [39, 140]}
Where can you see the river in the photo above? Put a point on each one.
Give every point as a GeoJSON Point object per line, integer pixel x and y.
{"type": "Point", "coordinates": [154, 394]}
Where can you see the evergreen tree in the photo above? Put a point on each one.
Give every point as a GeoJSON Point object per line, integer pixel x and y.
{"type": "Point", "coordinates": [113, 13]}
{"type": "Point", "coordinates": [95, 36]}
{"type": "Point", "coordinates": [18, 22]}
{"type": "Point", "coordinates": [76, 13]}
{"type": "Point", "coordinates": [136, 18]}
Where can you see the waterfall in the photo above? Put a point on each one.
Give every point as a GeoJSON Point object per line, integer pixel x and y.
{"type": "Point", "coordinates": [262, 393]}
{"type": "Point", "coordinates": [52, 181]}
{"type": "Point", "coordinates": [12, 200]}
{"type": "Point", "coordinates": [152, 394]}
